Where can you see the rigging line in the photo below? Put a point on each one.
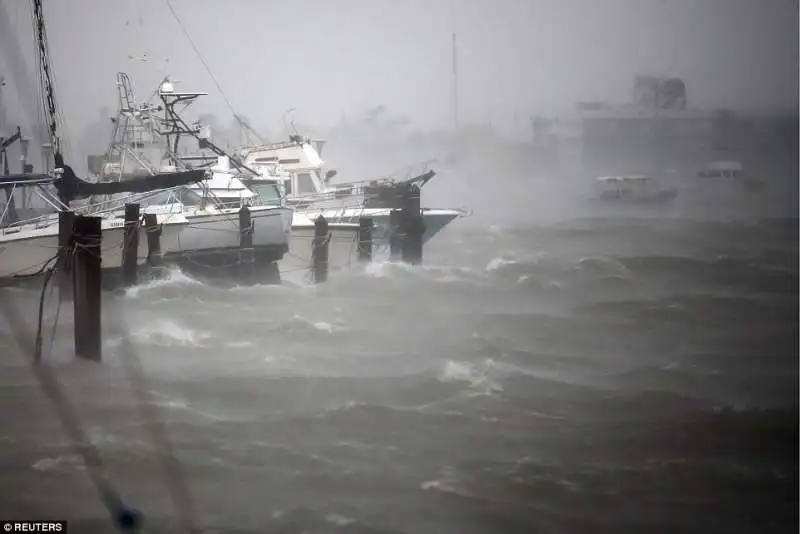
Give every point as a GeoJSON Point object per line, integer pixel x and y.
{"type": "Point", "coordinates": [203, 61]}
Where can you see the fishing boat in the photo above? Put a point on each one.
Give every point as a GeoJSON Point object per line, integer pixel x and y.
{"type": "Point", "coordinates": [633, 189]}
{"type": "Point", "coordinates": [144, 142]}
{"type": "Point", "coordinates": [297, 166]}
{"type": "Point", "coordinates": [31, 202]}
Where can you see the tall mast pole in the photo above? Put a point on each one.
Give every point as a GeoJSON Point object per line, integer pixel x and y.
{"type": "Point", "coordinates": [46, 82]}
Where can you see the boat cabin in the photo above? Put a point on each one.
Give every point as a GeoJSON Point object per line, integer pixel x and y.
{"type": "Point", "coordinates": [295, 164]}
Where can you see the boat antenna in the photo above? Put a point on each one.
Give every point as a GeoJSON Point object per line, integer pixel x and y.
{"type": "Point", "coordinates": [208, 69]}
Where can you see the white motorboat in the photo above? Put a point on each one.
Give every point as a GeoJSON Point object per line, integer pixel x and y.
{"type": "Point", "coordinates": [298, 167]}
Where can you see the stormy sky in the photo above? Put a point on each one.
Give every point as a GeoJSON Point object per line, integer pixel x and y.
{"type": "Point", "coordinates": [330, 59]}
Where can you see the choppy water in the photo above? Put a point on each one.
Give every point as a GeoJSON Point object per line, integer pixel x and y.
{"type": "Point", "coordinates": [596, 376]}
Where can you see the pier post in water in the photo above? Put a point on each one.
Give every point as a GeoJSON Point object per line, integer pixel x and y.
{"type": "Point", "coordinates": [247, 257]}
{"type": "Point", "coordinates": [413, 226]}
{"type": "Point", "coordinates": [412, 245]}
{"type": "Point", "coordinates": [88, 282]}
{"type": "Point", "coordinates": [66, 223]}
{"type": "Point", "coordinates": [365, 239]}
{"type": "Point", "coordinates": [130, 245]}
{"type": "Point", "coordinates": [395, 234]}
{"type": "Point", "coordinates": [154, 256]}
{"type": "Point", "coordinates": [320, 250]}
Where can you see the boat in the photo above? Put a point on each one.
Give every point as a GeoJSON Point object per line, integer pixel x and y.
{"type": "Point", "coordinates": [297, 166]}
{"type": "Point", "coordinates": [30, 204]}
{"type": "Point", "coordinates": [344, 236]}
{"type": "Point", "coordinates": [633, 189]}
{"type": "Point", "coordinates": [145, 142]}
{"type": "Point", "coordinates": [730, 172]}
{"type": "Point", "coordinates": [29, 234]}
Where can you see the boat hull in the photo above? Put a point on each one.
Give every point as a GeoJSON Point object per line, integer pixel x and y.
{"type": "Point", "coordinates": [435, 220]}
{"type": "Point", "coordinates": [342, 250]}
{"type": "Point", "coordinates": [209, 248]}
{"type": "Point", "coordinates": [214, 230]}
{"type": "Point", "coordinates": [27, 252]}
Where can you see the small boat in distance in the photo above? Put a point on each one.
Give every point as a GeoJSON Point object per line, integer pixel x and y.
{"type": "Point", "coordinates": [634, 189]}
{"type": "Point", "coordinates": [728, 171]}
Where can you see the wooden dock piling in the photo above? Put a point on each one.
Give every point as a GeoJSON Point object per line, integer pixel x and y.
{"type": "Point", "coordinates": [154, 256]}
{"type": "Point", "coordinates": [88, 282]}
{"type": "Point", "coordinates": [130, 246]}
{"type": "Point", "coordinates": [66, 223]}
{"type": "Point", "coordinates": [247, 258]}
{"type": "Point", "coordinates": [395, 234]}
{"type": "Point", "coordinates": [412, 244]}
{"type": "Point", "coordinates": [365, 239]}
{"type": "Point", "coordinates": [320, 250]}
{"type": "Point", "coordinates": [413, 226]}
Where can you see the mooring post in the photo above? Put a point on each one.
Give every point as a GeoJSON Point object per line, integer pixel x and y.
{"type": "Point", "coordinates": [320, 250]}
{"type": "Point", "coordinates": [365, 239]}
{"type": "Point", "coordinates": [412, 245]}
{"type": "Point", "coordinates": [130, 245]}
{"type": "Point", "coordinates": [66, 223]}
{"type": "Point", "coordinates": [88, 282]}
{"type": "Point", "coordinates": [395, 234]}
{"type": "Point", "coordinates": [247, 258]}
{"type": "Point", "coordinates": [154, 256]}
{"type": "Point", "coordinates": [413, 226]}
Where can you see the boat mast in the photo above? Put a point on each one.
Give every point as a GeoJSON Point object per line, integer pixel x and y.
{"type": "Point", "coordinates": [46, 82]}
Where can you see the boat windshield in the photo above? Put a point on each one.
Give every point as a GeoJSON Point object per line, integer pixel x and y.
{"type": "Point", "coordinates": [185, 196]}
{"type": "Point", "coordinates": [268, 193]}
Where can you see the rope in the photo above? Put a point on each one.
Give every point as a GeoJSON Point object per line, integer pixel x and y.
{"type": "Point", "coordinates": [203, 61]}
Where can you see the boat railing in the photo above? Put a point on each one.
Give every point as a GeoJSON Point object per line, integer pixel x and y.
{"type": "Point", "coordinates": [107, 207]}
{"type": "Point", "coordinates": [34, 223]}
{"type": "Point", "coordinates": [117, 204]}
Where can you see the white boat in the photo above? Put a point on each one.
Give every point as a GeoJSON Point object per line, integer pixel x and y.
{"type": "Point", "coordinates": [633, 189]}
{"type": "Point", "coordinates": [146, 143]}
{"type": "Point", "coordinates": [298, 167]}
{"type": "Point", "coordinates": [29, 243]}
